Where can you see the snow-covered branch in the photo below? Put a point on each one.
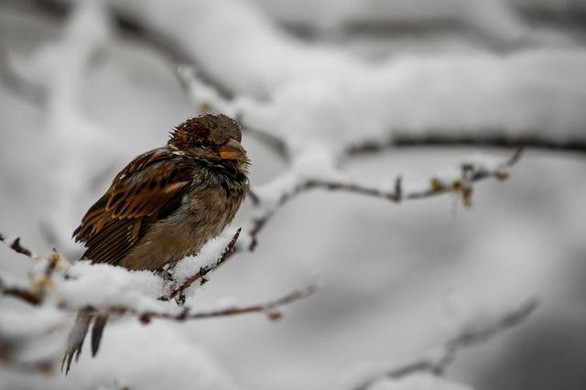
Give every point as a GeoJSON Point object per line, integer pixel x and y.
{"type": "Point", "coordinates": [77, 288]}
{"type": "Point", "coordinates": [471, 172]}
{"type": "Point", "coordinates": [319, 105]}
{"type": "Point", "coordinates": [270, 197]}
{"type": "Point", "coordinates": [271, 308]}
{"type": "Point", "coordinates": [19, 85]}
{"type": "Point", "coordinates": [437, 360]}
{"type": "Point", "coordinates": [22, 293]}
{"type": "Point", "coordinates": [493, 139]}
{"type": "Point", "coordinates": [16, 246]}
{"type": "Point", "coordinates": [200, 274]}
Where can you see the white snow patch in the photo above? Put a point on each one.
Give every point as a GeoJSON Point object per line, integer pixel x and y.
{"type": "Point", "coordinates": [423, 381]}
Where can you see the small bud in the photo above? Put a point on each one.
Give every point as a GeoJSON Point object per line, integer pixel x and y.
{"type": "Point", "coordinates": [436, 184]}
{"type": "Point", "coordinates": [501, 175]}
{"type": "Point", "coordinates": [274, 315]}
{"type": "Point", "coordinates": [467, 196]}
{"type": "Point", "coordinates": [145, 319]}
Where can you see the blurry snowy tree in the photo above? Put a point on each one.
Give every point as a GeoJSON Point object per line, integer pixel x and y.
{"type": "Point", "coordinates": [331, 93]}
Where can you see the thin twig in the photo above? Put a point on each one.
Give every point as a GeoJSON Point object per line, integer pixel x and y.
{"type": "Point", "coordinates": [270, 308]}
{"type": "Point", "coordinates": [16, 246]}
{"type": "Point", "coordinates": [35, 295]}
{"type": "Point", "coordinates": [449, 350]}
{"type": "Point", "coordinates": [470, 174]}
{"type": "Point", "coordinates": [34, 298]}
{"type": "Point", "coordinates": [20, 86]}
{"type": "Point", "coordinates": [203, 271]}
{"type": "Point", "coordinates": [195, 87]}
{"type": "Point", "coordinates": [496, 139]}
{"type": "Point", "coordinates": [44, 366]}
{"type": "Point", "coordinates": [273, 142]}
{"type": "Point", "coordinates": [508, 320]}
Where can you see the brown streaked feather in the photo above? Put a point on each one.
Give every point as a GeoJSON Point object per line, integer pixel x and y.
{"type": "Point", "coordinates": [146, 190]}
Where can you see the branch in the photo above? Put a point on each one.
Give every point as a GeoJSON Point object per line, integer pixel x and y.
{"type": "Point", "coordinates": [177, 55]}
{"type": "Point", "coordinates": [20, 86]}
{"type": "Point", "coordinates": [470, 173]}
{"type": "Point", "coordinates": [495, 140]}
{"type": "Point", "coordinates": [44, 366]}
{"type": "Point", "coordinates": [449, 349]}
{"type": "Point", "coordinates": [270, 308]}
{"type": "Point", "coordinates": [130, 26]}
{"type": "Point", "coordinates": [273, 142]}
{"type": "Point", "coordinates": [207, 98]}
{"type": "Point", "coordinates": [16, 246]}
{"type": "Point", "coordinates": [203, 271]}
{"type": "Point", "coordinates": [29, 296]}
{"type": "Point", "coordinates": [35, 296]}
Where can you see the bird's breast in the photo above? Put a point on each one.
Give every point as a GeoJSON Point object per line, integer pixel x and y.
{"type": "Point", "coordinates": [205, 211]}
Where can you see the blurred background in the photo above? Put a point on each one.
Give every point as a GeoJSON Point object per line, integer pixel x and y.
{"type": "Point", "coordinates": [85, 86]}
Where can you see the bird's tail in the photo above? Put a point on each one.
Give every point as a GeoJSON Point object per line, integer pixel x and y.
{"type": "Point", "coordinates": [77, 336]}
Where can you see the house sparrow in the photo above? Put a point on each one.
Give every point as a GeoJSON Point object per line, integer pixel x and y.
{"type": "Point", "coordinates": [164, 206]}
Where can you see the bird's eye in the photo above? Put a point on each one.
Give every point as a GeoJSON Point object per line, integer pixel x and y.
{"type": "Point", "coordinates": [205, 143]}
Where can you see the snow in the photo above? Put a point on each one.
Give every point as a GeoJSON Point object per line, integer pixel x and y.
{"type": "Point", "coordinates": [178, 364]}
{"type": "Point", "coordinates": [398, 279]}
{"type": "Point", "coordinates": [340, 93]}
{"type": "Point", "coordinates": [418, 382]}
{"type": "Point", "coordinates": [208, 257]}
{"type": "Point", "coordinates": [105, 286]}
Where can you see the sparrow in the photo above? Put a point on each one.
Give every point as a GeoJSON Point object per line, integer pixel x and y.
{"type": "Point", "coordinates": [163, 206]}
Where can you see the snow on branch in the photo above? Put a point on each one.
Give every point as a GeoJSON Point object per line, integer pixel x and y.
{"type": "Point", "coordinates": [495, 20]}
{"type": "Point", "coordinates": [81, 287]}
{"type": "Point", "coordinates": [268, 198]}
{"type": "Point", "coordinates": [24, 294]}
{"type": "Point", "coordinates": [16, 246]}
{"type": "Point", "coordinates": [271, 308]}
{"type": "Point", "coordinates": [437, 360]}
{"type": "Point", "coordinates": [390, 95]}
{"type": "Point", "coordinates": [206, 97]}
{"type": "Point", "coordinates": [471, 172]}
{"type": "Point", "coordinates": [52, 262]}
{"type": "Point", "coordinates": [313, 165]}
{"type": "Point", "coordinates": [494, 139]}
{"type": "Point", "coordinates": [108, 290]}
{"type": "Point", "coordinates": [19, 85]}
{"type": "Point", "coordinates": [314, 107]}
{"type": "Point", "coordinates": [200, 275]}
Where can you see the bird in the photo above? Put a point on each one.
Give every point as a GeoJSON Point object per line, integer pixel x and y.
{"type": "Point", "coordinates": [163, 206]}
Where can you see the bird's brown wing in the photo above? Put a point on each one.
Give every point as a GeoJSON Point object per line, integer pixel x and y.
{"type": "Point", "coordinates": [146, 190]}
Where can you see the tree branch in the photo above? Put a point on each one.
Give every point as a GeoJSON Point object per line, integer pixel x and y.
{"type": "Point", "coordinates": [443, 140]}
{"type": "Point", "coordinates": [206, 98]}
{"type": "Point", "coordinates": [18, 85]}
{"type": "Point", "coordinates": [203, 271]}
{"type": "Point", "coordinates": [449, 350]}
{"type": "Point", "coordinates": [35, 296]}
{"type": "Point", "coordinates": [16, 246]}
{"type": "Point", "coordinates": [270, 308]}
{"type": "Point", "coordinates": [29, 296]}
{"type": "Point", "coordinates": [128, 25]}
{"type": "Point", "coordinates": [470, 173]}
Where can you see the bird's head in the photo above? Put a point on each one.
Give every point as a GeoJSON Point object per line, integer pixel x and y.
{"type": "Point", "coordinates": [211, 137]}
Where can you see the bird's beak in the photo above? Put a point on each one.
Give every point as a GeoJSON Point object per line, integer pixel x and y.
{"type": "Point", "coordinates": [232, 150]}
